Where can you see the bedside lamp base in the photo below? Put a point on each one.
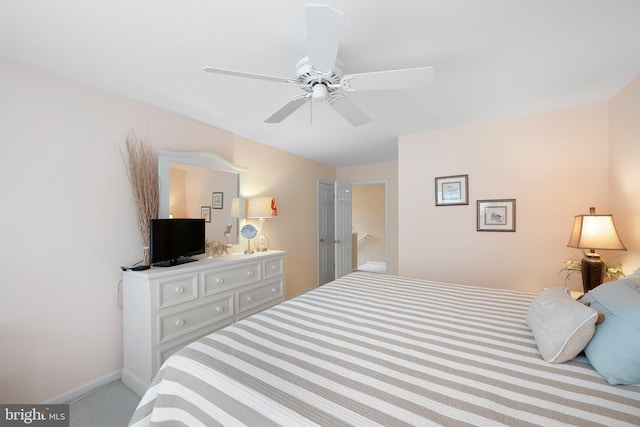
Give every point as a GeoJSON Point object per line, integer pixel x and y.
{"type": "Point", "coordinates": [592, 271]}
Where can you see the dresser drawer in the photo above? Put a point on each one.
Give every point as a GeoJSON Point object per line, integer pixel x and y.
{"type": "Point", "coordinates": [219, 279]}
{"type": "Point", "coordinates": [176, 324]}
{"type": "Point", "coordinates": [177, 290]}
{"type": "Point", "coordinates": [273, 267]}
{"type": "Point", "coordinates": [254, 297]}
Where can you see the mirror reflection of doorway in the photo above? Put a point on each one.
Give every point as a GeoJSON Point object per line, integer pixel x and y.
{"type": "Point", "coordinates": [369, 219]}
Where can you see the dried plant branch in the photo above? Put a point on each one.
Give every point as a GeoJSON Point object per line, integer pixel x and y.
{"type": "Point", "coordinates": [142, 169]}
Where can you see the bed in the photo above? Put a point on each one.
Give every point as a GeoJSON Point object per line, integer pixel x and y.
{"type": "Point", "coordinates": [371, 349]}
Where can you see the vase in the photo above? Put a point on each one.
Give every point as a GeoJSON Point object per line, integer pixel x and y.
{"type": "Point", "coordinates": [146, 256]}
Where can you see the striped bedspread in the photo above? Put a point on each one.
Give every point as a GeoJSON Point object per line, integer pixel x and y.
{"type": "Point", "coordinates": [372, 349]}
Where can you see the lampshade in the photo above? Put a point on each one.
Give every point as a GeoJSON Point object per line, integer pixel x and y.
{"type": "Point", "coordinates": [262, 207]}
{"type": "Point", "coordinates": [595, 232]}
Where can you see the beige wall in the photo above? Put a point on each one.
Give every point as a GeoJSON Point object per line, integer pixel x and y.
{"type": "Point", "coordinates": [624, 165]}
{"type": "Point", "coordinates": [293, 182]}
{"type": "Point", "coordinates": [554, 164]}
{"type": "Point", "coordinates": [387, 172]}
{"type": "Point", "coordinates": [72, 223]}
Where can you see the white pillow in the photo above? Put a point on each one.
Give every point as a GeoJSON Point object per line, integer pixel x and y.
{"type": "Point", "coordinates": [562, 326]}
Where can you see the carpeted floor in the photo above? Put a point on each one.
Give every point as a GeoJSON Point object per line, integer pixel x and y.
{"type": "Point", "coordinates": [108, 406]}
{"type": "Point", "coordinates": [373, 267]}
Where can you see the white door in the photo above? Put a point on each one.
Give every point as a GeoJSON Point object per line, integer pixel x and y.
{"type": "Point", "coordinates": [326, 231]}
{"type": "Point", "coordinates": [343, 228]}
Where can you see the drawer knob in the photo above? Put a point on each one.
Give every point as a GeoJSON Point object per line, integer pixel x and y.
{"type": "Point", "coordinates": [179, 290]}
{"type": "Point", "coordinates": [274, 290]}
{"type": "Point", "coordinates": [249, 273]}
{"type": "Point", "coordinates": [219, 280]}
{"type": "Point", "coordinates": [250, 298]}
{"type": "Point", "coordinates": [274, 267]}
{"type": "Point", "coordinates": [220, 309]}
{"type": "Point", "coordinates": [180, 323]}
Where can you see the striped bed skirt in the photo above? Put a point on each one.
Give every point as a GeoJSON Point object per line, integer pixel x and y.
{"type": "Point", "coordinates": [371, 349]}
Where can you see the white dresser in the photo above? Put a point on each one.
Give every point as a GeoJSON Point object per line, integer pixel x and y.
{"type": "Point", "coordinates": [165, 309]}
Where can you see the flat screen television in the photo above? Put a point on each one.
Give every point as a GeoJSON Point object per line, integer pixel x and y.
{"type": "Point", "coordinates": [173, 241]}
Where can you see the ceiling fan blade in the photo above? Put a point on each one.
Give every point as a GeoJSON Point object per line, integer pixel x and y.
{"type": "Point", "coordinates": [247, 75]}
{"type": "Point", "coordinates": [348, 110]}
{"type": "Point", "coordinates": [410, 78]}
{"type": "Point", "coordinates": [324, 28]}
{"type": "Point", "coordinates": [288, 108]}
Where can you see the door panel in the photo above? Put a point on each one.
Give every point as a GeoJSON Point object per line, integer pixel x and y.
{"type": "Point", "coordinates": [343, 229]}
{"type": "Point", "coordinates": [326, 231]}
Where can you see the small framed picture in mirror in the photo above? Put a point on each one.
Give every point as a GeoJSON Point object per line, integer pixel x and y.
{"type": "Point", "coordinates": [205, 213]}
{"type": "Point", "coordinates": [216, 200]}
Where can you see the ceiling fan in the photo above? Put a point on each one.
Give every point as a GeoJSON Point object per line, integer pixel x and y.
{"type": "Point", "coordinates": [320, 74]}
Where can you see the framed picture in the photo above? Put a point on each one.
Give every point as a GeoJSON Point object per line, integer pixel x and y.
{"type": "Point", "coordinates": [216, 202]}
{"type": "Point", "coordinates": [452, 190]}
{"type": "Point", "coordinates": [205, 212]}
{"type": "Point", "coordinates": [497, 215]}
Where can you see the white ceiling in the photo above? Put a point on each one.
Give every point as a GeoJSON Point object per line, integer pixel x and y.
{"type": "Point", "coordinates": [493, 59]}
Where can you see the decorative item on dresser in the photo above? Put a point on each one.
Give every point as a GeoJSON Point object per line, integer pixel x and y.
{"type": "Point", "coordinates": [248, 231]}
{"type": "Point", "coordinates": [142, 171]}
{"type": "Point", "coordinates": [166, 309]}
{"type": "Point", "coordinates": [594, 232]}
{"type": "Point", "coordinates": [262, 208]}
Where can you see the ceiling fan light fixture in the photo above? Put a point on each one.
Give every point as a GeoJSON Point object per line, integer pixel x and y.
{"type": "Point", "coordinates": [320, 92]}
{"type": "Point", "coordinates": [320, 76]}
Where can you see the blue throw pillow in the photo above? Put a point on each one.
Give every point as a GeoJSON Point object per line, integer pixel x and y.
{"type": "Point", "coordinates": [614, 350]}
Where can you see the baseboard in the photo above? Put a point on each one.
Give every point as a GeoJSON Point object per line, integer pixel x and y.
{"type": "Point", "coordinates": [85, 389]}
{"type": "Point", "coordinates": [133, 382]}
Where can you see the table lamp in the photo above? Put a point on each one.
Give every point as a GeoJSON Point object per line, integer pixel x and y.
{"type": "Point", "coordinates": [262, 208]}
{"type": "Point", "coordinates": [594, 232]}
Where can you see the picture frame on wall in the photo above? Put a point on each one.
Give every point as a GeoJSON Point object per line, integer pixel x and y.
{"type": "Point", "coordinates": [205, 213]}
{"type": "Point", "coordinates": [452, 190]}
{"type": "Point", "coordinates": [217, 200]}
{"type": "Point", "coordinates": [497, 215]}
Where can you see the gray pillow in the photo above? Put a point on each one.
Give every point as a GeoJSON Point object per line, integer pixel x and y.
{"type": "Point", "coordinates": [562, 326]}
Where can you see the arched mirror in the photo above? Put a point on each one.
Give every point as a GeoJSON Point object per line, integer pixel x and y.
{"type": "Point", "coordinates": [200, 184]}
